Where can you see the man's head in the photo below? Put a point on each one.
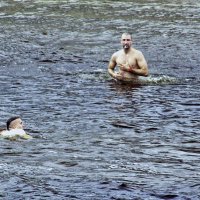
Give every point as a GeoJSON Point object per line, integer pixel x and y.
{"type": "Point", "coordinates": [14, 123]}
{"type": "Point", "coordinates": [126, 41]}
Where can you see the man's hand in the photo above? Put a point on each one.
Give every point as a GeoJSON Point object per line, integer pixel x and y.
{"type": "Point", "coordinates": [126, 67]}
{"type": "Point", "coordinates": [118, 76]}
{"type": "Point", "coordinates": [142, 71]}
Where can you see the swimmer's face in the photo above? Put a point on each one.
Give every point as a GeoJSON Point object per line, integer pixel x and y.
{"type": "Point", "coordinates": [126, 41]}
{"type": "Point", "coordinates": [16, 124]}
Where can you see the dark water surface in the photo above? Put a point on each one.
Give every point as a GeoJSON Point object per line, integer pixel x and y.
{"type": "Point", "coordinates": [94, 138]}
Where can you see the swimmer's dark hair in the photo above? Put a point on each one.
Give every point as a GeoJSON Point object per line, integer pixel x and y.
{"type": "Point", "coordinates": [10, 120]}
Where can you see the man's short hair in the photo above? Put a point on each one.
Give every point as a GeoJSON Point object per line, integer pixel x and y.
{"type": "Point", "coordinates": [10, 120]}
{"type": "Point", "coordinates": [127, 34]}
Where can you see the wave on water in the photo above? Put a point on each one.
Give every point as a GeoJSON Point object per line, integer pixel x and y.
{"type": "Point", "coordinates": [163, 79]}
{"type": "Point", "coordinates": [150, 80]}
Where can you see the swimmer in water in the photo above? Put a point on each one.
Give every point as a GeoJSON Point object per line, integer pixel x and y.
{"type": "Point", "coordinates": [130, 61]}
{"type": "Point", "coordinates": [15, 127]}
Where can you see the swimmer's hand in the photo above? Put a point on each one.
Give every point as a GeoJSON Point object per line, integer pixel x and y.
{"type": "Point", "coordinates": [134, 70]}
{"type": "Point", "coordinates": [118, 76]}
{"type": "Point", "coordinates": [127, 68]}
{"type": "Point", "coordinates": [26, 137]}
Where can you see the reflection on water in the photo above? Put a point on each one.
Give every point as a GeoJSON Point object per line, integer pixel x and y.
{"type": "Point", "coordinates": [95, 138]}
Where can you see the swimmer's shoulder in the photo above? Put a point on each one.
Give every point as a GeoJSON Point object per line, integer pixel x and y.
{"type": "Point", "coordinates": [9, 134]}
{"type": "Point", "coordinates": [117, 54]}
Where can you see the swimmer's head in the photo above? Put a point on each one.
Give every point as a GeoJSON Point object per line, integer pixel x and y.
{"type": "Point", "coordinates": [14, 123]}
{"type": "Point", "coordinates": [126, 41]}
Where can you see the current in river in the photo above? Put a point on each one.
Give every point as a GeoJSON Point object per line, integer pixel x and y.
{"type": "Point", "coordinates": [94, 138]}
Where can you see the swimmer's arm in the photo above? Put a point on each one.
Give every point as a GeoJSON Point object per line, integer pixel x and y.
{"type": "Point", "coordinates": [142, 64]}
{"type": "Point", "coordinates": [111, 66]}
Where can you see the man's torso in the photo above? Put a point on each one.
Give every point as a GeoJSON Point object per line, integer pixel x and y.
{"type": "Point", "coordinates": [130, 60]}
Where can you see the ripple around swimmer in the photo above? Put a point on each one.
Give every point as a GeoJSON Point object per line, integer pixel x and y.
{"type": "Point", "coordinates": [103, 75]}
{"type": "Point", "coordinates": [150, 80]}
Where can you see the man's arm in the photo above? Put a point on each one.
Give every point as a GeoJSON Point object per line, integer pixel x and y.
{"type": "Point", "coordinates": [142, 64]}
{"type": "Point", "coordinates": [111, 66]}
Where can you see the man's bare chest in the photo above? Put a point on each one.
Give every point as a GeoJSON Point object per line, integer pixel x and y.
{"type": "Point", "coordinates": [130, 60]}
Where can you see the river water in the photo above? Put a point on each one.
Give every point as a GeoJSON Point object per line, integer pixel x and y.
{"type": "Point", "coordinates": [93, 138]}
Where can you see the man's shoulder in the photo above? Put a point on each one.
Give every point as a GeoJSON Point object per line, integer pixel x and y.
{"type": "Point", "coordinates": [117, 53]}
{"type": "Point", "coordinates": [13, 132]}
{"type": "Point", "coordinates": [138, 52]}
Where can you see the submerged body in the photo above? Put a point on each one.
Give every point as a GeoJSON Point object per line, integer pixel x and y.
{"type": "Point", "coordinates": [14, 129]}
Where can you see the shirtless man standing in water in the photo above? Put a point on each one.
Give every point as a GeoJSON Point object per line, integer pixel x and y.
{"type": "Point", "coordinates": [130, 61]}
